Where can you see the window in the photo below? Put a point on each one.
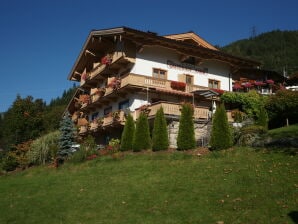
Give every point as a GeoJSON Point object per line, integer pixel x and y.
{"type": "Point", "coordinates": [189, 79]}
{"type": "Point", "coordinates": [107, 110]}
{"type": "Point", "coordinates": [214, 84]}
{"type": "Point", "coordinates": [94, 115]}
{"type": "Point", "coordinates": [123, 105]}
{"type": "Point", "coordinates": [159, 73]}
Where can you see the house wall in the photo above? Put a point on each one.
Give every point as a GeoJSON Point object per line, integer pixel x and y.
{"type": "Point", "coordinates": [158, 57]}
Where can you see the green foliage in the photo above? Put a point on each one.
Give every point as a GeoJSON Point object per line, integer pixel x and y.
{"type": "Point", "coordinates": [186, 134]}
{"type": "Point", "coordinates": [43, 149]}
{"type": "Point", "coordinates": [274, 49]}
{"type": "Point", "coordinates": [87, 148]}
{"type": "Point", "coordinates": [160, 139]}
{"type": "Point", "coordinates": [115, 144]}
{"type": "Point", "coordinates": [23, 121]}
{"type": "Point", "coordinates": [281, 106]}
{"type": "Point", "coordinates": [67, 133]}
{"type": "Point", "coordinates": [262, 118]}
{"type": "Point", "coordinates": [127, 134]}
{"type": "Point", "coordinates": [250, 103]}
{"type": "Point", "coordinates": [141, 139]}
{"type": "Point", "coordinates": [221, 136]}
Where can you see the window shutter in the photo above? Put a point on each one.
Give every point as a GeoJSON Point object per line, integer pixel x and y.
{"type": "Point", "coordinates": [181, 77]}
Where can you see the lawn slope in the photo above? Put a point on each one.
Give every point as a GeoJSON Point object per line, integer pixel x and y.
{"type": "Point", "coordinates": [238, 186]}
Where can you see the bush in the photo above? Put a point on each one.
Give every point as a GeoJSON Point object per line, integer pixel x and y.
{"type": "Point", "coordinates": [186, 133]}
{"type": "Point", "coordinates": [160, 139]}
{"type": "Point", "coordinates": [251, 135]}
{"type": "Point", "coordinates": [221, 136]}
{"type": "Point", "coordinates": [127, 134]}
{"type": "Point", "coordinates": [43, 149]}
{"type": "Point", "coordinates": [141, 139]}
{"type": "Point", "coordinates": [9, 163]}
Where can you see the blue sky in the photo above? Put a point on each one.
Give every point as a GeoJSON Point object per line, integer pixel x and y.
{"type": "Point", "coordinates": [40, 40]}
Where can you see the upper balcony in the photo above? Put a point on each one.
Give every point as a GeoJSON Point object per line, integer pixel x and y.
{"type": "Point", "coordinates": [117, 86]}
{"type": "Point", "coordinates": [109, 63]}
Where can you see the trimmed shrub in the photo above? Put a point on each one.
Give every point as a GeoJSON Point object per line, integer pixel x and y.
{"type": "Point", "coordinates": [160, 139]}
{"type": "Point", "coordinates": [141, 139]}
{"type": "Point", "coordinates": [186, 133]}
{"type": "Point", "coordinates": [221, 135]}
{"type": "Point", "coordinates": [127, 134]}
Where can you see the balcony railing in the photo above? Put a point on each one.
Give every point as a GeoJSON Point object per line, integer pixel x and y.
{"type": "Point", "coordinates": [173, 109]}
{"type": "Point", "coordinates": [96, 72]}
{"type": "Point", "coordinates": [140, 81]}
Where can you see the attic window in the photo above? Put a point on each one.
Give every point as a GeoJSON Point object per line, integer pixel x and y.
{"type": "Point", "coordinates": [190, 60]}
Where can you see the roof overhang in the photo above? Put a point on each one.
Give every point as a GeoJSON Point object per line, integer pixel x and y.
{"type": "Point", "coordinates": [141, 38]}
{"type": "Point", "coordinates": [205, 93]}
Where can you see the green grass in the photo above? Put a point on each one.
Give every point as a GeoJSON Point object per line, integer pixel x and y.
{"type": "Point", "coordinates": [284, 132]}
{"type": "Point", "coordinates": [239, 186]}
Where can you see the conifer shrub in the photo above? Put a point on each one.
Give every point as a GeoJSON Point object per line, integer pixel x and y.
{"type": "Point", "coordinates": [221, 135]}
{"type": "Point", "coordinates": [66, 139]}
{"type": "Point", "coordinates": [127, 134]}
{"type": "Point", "coordinates": [262, 118]}
{"type": "Point", "coordinates": [141, 139]}
{"type": "Point", "coordinates": [160, 139]}
{"type": "Point", "coordinates": [186, 134]}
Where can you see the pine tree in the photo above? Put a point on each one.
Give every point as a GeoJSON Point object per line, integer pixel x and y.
{"type": "Point", "coordinates": [160, 139]}
{"type": "Point", "coordinates": [127, 134]}
{"type": "Point", "coordinates": [186, 134]}
{"type": "Point", "coordinates": [221, 136]}
{"type": "Point", "coordinates": [66, 136]}
{"type": "Point", "coordinates": [141, 139]}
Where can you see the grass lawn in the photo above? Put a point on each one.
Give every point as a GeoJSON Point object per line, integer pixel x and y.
{"type": "Point", "coordinates": [239, 186]}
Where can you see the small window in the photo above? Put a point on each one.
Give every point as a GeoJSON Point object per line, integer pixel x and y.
{"type": "Point", "coordinates": [159, 73]}
{"type": "Point", "coordinates": [107, 110]}
{"type": "Point", "coordinates": [94, 115]}
{"type": "Point", "coordinates": [214, 84]}
{"type": "Point", "coordinates": [123, 105]}
{"type": "Point", "coordinates": [189, 79]}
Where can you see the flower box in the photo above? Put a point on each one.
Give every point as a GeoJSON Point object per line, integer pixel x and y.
{"type": "Point", "coordinates": [178, 85]}
{"type": "Point", "coordinates": [115, 83]}
{"type": "Point", "coordinates": [219, 91]}
{"type": "Point", "coordinates": [259, 83]}
{"type": "Point", "coordinates": [270, 81]}
{"type": "Point", "coordinates": [106, 60]}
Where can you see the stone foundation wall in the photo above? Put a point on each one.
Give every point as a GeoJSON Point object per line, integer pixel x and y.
{"type": "Point", "coordinates": [202, 133]}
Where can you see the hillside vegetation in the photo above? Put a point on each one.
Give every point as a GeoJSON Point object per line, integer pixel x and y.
{"type": "Point", "coordinates": [275, 50]}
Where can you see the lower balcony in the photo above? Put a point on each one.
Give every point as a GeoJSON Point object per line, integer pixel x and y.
{"type": "Point", "coordinates": [173, 110]}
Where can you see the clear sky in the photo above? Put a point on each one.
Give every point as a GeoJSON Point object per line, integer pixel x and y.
{"type": "Point", "coordinates": [41, 39]}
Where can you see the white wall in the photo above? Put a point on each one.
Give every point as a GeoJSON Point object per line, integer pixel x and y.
{"type": "Point", "coordinates": [157, 57]}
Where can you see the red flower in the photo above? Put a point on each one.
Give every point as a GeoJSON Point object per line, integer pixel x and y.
{"type": "Point", "coordinates": [237, 86]}
{"type": "Point", "coordinates": [219, 91]}
{"type": "Point", "coordinates": [270, 81]}
{"type": "Point", "coordinates": [259, 83]}
{"type": "Point", "coordinates": [178, 85]}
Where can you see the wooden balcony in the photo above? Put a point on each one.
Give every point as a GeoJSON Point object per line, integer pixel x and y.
{"type": "Point", "coordinates": [137, 81]}
{"type": "Point", "coordinates": [118, 61]}
{"type": "Point", "coordinates": [173, 109]}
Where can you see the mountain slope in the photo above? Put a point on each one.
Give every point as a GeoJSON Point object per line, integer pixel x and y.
{"type": "Point", "coordinates": [276, 50]}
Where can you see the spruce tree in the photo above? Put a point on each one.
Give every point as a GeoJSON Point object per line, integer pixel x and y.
{"type": "Point", "coordinates": [221, 135]}
{"type": "Point", "coordinates": [186, 134]}
{"type": "Point", "coordinates": [127, 134]}
{"type": "Point", "coordinates": [141, 139]}
{"type": "Point", "coordinates": [66, 136]}
{"type": "Point", "coordinates": [160, 139]}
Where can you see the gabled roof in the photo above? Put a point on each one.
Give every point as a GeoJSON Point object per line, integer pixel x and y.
{"type": "Point", "coordinates": [191, 45]}
{"type": "Point", "coordinates": [191, 38]}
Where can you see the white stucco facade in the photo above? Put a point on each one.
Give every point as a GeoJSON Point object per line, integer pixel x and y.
{"type": "Point", "coordinates": [167, 59]}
